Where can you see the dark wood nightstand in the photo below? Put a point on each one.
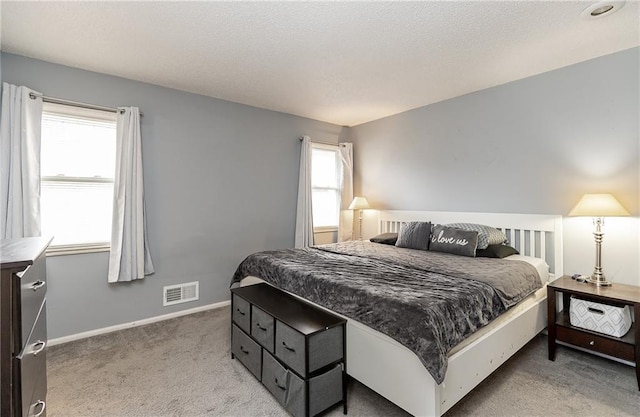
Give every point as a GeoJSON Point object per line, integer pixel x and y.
{"type": "Point", "coordinates": [560, 328]}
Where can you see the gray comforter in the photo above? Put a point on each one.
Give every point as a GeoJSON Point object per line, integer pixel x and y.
{"type": "Point", "coordinates": [428, 301]}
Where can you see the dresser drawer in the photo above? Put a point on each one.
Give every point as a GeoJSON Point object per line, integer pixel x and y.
{"type": "Point", "coordinates": [325, 390]}
{"type": "Point", "coordinates": [262, 327]}
{"type": "Point", "coordinates": [33, 287]}
{"type": "Point", "coordinates": [241, 313]}
{"type": "Point", "coordinates": [596, 343]}
{"type": "Point", "coordinates": [247, 351]}
{"type": "Point", "coordinates": [325, 347]}
{"type": "Point", "coordinates": [31, 362]}
{"type": "Point", "coordinates": [285, 386]}
{"type": "Point", "coordinates": [38, 403]}
{"type": "Point", "coordinates": [290, 347]}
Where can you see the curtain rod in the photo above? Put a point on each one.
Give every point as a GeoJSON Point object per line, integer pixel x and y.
{"type": "Point", "coordinates": [301, 138]}
{"type": "Point", "coordinates": [55, 100]}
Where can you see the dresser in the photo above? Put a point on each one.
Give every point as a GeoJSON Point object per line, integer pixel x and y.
{"type": "Point", "coordinates": [294, 348]}
{"type": "Point", "coordinates": [23, 327]}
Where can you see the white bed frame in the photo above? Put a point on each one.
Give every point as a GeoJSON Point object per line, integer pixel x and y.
{"type": "Point", "coordinates": [397, 374]}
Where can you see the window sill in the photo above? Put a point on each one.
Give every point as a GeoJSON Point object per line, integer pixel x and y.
{"type": "Point", "coordinates": [61, 250]}
{"type": "Point", "coordinates": [325, 229]}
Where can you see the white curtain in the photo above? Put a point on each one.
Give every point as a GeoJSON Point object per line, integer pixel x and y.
{"type": "Point", "coordinates": [129, 258]}
{"type": "Point", "coordinates": [20, 126]}
{"type": "Point", "coordinates": [345, 230]}
{"type": "Point", "coordinates": [304, 213]}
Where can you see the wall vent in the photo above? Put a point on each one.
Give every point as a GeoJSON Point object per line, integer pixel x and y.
{"type": "Point", "coordinates": [181, 293]}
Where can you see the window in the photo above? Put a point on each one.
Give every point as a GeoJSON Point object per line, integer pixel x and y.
{"type": "Point", "coordinates": [326, 177]}
{"type": "Point", "coordinates": [77, 174]}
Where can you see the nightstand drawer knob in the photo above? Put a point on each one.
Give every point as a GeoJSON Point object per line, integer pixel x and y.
{"type": "Point", "coordinates": [591, 343]}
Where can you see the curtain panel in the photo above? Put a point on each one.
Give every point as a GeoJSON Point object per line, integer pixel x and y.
{"type": "Point", "coordinates": [20, 126]}
{"type": "Point", "coordinates": [345, 229]}
{"type": "Point", "coordinates": [304, 213]}
{"type": "Point", "coordinates": [130, 258]}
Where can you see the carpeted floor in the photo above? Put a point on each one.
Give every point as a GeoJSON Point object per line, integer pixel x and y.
{"type": "Point", "coordinates": [182, 367]}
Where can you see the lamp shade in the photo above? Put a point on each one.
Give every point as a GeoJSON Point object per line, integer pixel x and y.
{"type": "Point", "coordinates": [598, 205]}
{"type": "Point", "coordinates": [359, 203]}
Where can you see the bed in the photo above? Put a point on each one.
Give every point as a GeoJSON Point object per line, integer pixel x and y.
{"type": "Point", "coordinates": [397, 373]}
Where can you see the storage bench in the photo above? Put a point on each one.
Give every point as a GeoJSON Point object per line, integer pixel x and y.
{"type": "Point", "coordinates": [296, 349]}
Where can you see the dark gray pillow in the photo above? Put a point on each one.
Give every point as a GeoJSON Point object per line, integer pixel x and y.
{"type": "Point", "coordinates": [452, 240]}
{"type": "Point", "coordinates": [385, 238]}
{"type": "Point", "coordinates": [414, 235]}
{"type": "Point", "coordinates": [487, 235]}
{"type": "Point", "coordinates": [496, 251]}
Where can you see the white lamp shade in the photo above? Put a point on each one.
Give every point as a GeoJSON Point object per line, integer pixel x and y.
{"type": "Point", "coordinates": [598, 205]}
{"type": "Point", "coordinates": [359, 203]}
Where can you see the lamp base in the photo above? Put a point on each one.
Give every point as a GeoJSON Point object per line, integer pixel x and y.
{"type": "Point", "coordinates": [598, 280]}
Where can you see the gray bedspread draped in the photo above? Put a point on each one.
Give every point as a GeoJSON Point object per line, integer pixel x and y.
{"type": "Point", "coordinates": [427, 301]}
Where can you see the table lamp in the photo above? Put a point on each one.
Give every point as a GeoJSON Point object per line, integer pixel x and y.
{"type": "Point", "coordinates": [359, 203]}
{"type": "Point", "coordinates": [598, 206]}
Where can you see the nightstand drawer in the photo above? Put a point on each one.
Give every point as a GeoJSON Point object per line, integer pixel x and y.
{"type": "Point", "coordinates": [596, 343]}
{"type": "Point", "coordinates": [262, 327]}
{"type": "Point", "coordinates": [247, 351]}
{"type": "Point", "coordinates": [241, 313]}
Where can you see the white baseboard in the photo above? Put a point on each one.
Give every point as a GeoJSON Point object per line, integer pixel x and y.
{"type": "Point", "coordinates": [104, 330]}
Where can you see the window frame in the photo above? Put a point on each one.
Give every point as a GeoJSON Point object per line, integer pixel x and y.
{"type": "Point", "coordinates": [92, 115]}
{"type": "Point", "coordinates": [338, 189]}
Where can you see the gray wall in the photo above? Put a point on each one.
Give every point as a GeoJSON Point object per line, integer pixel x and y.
{"type": "Point", "coordinates": [221, 178]}
{"type": "Point", "coordinates": [220, 183]}
{"type": "Point", "coordinates": [530, 146]}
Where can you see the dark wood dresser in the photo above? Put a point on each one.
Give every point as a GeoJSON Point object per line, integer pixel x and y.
{"type": "Point", "coordinates": [23, 327]}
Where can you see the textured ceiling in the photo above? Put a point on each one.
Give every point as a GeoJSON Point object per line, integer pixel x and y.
{"type": "Point", "coordinates": [340, 62]}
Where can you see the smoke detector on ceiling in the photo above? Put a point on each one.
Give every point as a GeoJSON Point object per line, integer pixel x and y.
{"type": "Point", "coordinates": [601, 9]}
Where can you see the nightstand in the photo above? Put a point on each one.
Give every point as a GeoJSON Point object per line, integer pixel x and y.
{"type": "Point", "coordinates": [560, 328]}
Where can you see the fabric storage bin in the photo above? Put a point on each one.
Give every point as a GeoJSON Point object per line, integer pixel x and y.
{"type": "Point", "coordinates": [602, 318]}
{"type": "Point", "coordinates": [247, 351]}
{"type": "Point", "coordinates": [324, 390]}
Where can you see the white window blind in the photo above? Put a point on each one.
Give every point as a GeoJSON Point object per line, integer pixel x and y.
{"type": "Point", "coordinates": [325, 183]}
{"type": "Point", "coordinates": [77, 174]}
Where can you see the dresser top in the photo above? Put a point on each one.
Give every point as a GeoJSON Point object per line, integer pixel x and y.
{"type": "Point", "coordinates": [15, 253]}
{"type": "Point", "coordinates": [292, 311]}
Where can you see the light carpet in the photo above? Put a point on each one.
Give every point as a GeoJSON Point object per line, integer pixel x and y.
{"type": "Point", "coordinates": [183, 367]}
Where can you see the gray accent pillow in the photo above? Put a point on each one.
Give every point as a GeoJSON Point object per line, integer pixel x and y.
{"type": "Point", "coordinates": [487, 235]}
{"type": "Point", "coordinates": [414, 235]}
{"type": "Point", "coordinates": [453, 240]}
{"type": "Point", "coordinates": [385, 238]}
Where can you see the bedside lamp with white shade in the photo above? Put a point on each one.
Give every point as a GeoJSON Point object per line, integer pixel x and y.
{"type": "Point", "coordinates": [359, 203]}
{"type": "Point", "coordinates": [598, 206]}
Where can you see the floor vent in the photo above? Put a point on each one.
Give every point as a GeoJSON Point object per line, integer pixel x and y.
{"type": "Point", "coordinates": [181, 293]}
